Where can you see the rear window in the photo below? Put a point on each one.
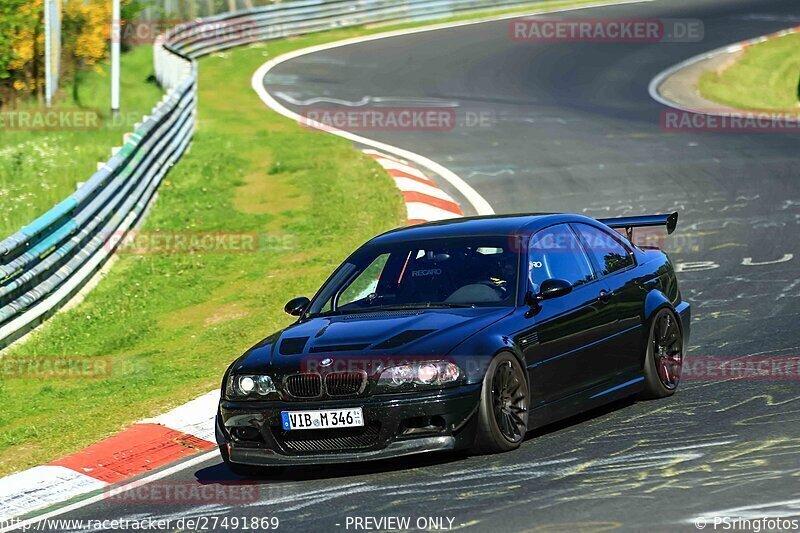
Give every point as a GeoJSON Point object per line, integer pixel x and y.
{"type": "Point", "coordinates": [606, 249]}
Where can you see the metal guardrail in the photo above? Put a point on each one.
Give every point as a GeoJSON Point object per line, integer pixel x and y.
{"type": "Point", "coordinates": [47, 262]}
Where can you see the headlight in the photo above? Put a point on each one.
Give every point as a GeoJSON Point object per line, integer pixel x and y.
{"type": "Point", "coordinates": [415, 376]}
{"type": "Point", "coordinates": [243, 386]}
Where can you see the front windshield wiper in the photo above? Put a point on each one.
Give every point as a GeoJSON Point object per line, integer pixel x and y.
{"type": "Point", "coordinates": [397, 307]}
{"type": "Point", "coordinates": [429, 305]}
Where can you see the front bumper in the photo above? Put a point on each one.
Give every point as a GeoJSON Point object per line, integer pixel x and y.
{"type": "Point", "coordinates": [446, 420]}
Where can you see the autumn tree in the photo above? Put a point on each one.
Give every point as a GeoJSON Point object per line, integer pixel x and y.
{"type": "Point", "coordinates": [21, 48]}
{"type": "Point", "coordinates": [85, 31]}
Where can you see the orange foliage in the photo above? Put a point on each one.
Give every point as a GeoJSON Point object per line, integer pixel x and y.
{"type": "Point", "coordinates": [91, 41]}
{"type": "Point", "coordinates": [85, 32]}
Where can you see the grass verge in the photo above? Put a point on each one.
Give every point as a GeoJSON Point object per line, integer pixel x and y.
{"type": "Point", "coordinates": [39, 168]}
{"type": "Point", "coordinates": [168, 325]}
{"type": "Point", "coordinates": [765, 77]}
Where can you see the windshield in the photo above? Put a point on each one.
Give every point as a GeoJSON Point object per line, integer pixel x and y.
{"type": "Point", "coordinates": [452, 272]}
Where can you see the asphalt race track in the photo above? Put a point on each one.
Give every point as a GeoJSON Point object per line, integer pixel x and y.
{"type": "Point", "coordinates": [571, 127]}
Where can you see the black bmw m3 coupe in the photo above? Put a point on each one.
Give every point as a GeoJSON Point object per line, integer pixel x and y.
{"type": "Point", "coordinates": [460, 334]}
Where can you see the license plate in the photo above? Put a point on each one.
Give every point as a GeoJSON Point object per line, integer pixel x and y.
{"type": "Point", "coordinates": [325, 419]}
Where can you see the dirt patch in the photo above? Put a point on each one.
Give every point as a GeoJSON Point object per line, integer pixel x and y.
{"type": "Point", "coordinates": [728, 61]}
{"type": "Point", "coordinates": [268, 194]}
{"type": "Point", "coordinates": [206, 314]}
{"type": "Point", "coordinates": [682, 86]}
{"type": "Point", "coordinates": [226, 313]}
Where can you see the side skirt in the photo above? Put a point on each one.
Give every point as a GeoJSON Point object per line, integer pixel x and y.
{"type": "Point", "coordinates": [622, 387]}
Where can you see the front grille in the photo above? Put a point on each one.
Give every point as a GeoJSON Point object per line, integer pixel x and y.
{"type": "Point", "coordinates": [345, 383]}
{"type": "Point", "coordinates": [328, 440]}
{"type": "Point", "coordinates": [304, 385]}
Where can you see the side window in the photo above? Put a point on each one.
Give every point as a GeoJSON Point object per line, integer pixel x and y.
{"type": "Point", "coordinates": [609, 254]}
{"type": "Point", "coordinates": [365, 284]}
{"type": "Point", "coordinates": [555, 253]}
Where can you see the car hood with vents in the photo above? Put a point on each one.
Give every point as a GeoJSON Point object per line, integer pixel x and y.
{"type": "Point", "coordinates": [424, 333]}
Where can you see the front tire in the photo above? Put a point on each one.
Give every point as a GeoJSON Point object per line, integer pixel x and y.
{"type": "Point", "coordinates": [503, 409]}
{"type": "Point", "coordinates": [663, 362]}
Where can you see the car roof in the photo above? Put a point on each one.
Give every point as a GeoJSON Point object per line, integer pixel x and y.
{"type": "Point", "coordinates": [502, 225]}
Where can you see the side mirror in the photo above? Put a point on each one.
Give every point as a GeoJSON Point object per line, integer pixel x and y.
{"type": "Point", "coordinates": [552, 288]}
{"type": "Point", "coordinates": [296, 306]}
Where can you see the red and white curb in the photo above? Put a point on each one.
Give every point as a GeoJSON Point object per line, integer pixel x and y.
{"type": "Point", "coordinates": [425, 201]}
{"type": "Point", "coordinates": [738, 47]}
{"type": "Point", "coordinates": [141, 448]}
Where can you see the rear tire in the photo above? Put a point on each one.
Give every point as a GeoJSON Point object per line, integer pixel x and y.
{"type": "Point", "coordinates": [663, 361]}
{"type": "Point", "coordinates": [503, 409]}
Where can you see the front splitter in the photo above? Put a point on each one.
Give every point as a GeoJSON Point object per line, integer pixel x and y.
{"type": "Point", "coordinates": [264, 457]}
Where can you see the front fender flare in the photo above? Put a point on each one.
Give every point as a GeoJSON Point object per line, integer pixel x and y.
{"type": "Point", "coordinates": [475, 354]}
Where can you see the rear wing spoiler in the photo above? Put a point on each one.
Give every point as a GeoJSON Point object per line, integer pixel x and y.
{"type": "Point", "coordinates": [628, 223]}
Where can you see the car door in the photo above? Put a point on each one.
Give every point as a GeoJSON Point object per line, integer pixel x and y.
{"type": "Point", "coordinates": [558, 345]}
{"type": "Point", "coordinates": [615, 264]}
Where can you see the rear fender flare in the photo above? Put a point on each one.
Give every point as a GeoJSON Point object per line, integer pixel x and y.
{"type": "Point", "coordinates": [654, 302]}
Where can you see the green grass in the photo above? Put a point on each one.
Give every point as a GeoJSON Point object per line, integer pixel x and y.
{"type": "Point", "coordinates": [766, 77]}
{"type": "Point", "coordinates": [40, 168]}
{"type": "Point", "coordinates": [170, 324]}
